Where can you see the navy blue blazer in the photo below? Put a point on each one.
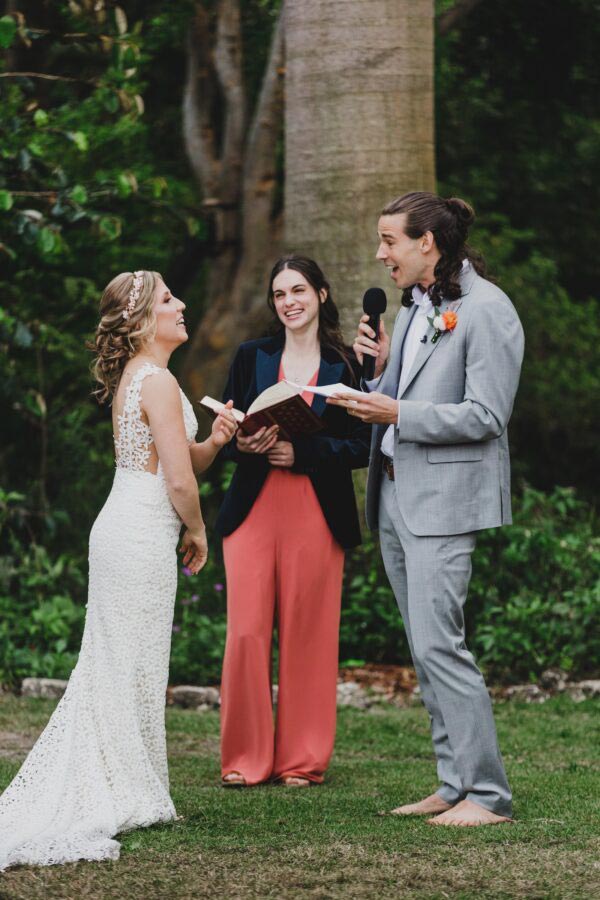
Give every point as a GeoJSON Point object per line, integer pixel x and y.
{"type": "Point", "coordinates": [327, 458]}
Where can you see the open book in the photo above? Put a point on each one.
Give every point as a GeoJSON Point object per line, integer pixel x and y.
{"type": "Point", "coordinates": [281, 404]}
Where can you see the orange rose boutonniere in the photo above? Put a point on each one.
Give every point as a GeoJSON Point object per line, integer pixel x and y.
{"type": "Point", "coordinates": [445, 321]}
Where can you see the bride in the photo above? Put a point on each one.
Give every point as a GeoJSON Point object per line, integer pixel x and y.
{"type": "Point", "coordinates": [100, 766]}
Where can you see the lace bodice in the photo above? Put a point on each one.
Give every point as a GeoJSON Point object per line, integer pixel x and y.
{"type": "Point", "coordinates": [134, 438]}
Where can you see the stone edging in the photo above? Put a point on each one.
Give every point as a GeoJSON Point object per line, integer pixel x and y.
{"type": "Point", "coordinates": [350, 693]}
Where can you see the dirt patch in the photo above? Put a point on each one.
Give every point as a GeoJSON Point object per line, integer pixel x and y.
{"type": "Point", "coordinates": [391, 682]}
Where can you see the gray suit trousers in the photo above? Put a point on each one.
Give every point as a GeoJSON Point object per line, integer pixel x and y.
{"type": "Point", "coordinates": [430, 577]}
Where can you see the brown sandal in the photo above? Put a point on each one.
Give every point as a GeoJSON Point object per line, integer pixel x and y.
{"type": "Point", "coordinates": [296, 781]}
{"type": "Point", "coordinates": [233, 780]}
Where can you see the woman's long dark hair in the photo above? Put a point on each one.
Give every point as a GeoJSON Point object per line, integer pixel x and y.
{"type": "Point", "coordinates": [449, 222]}
{"type": "Point", "coordinates": [330, 332]}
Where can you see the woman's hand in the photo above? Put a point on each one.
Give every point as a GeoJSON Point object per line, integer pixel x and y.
{"type": "Point", "coordinates": [282, 454]}
{"type": "Point", "coordinates": [260, 442]}
{"type": "Point", "coordinates": [195, 550]}
{"type": "Point", "coordinates": [224, 427]}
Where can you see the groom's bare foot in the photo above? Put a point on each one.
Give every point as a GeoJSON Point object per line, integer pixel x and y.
{"type": "Point", "coordinates": [467, 813]}
{"type": "Point", "coordinates": [430, 806]}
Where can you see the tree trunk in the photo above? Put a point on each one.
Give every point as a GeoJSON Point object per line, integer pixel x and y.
{"type": "Point", "coordinates": [236, 170]}
{"type": "Point", "coordinates": [359, 130]}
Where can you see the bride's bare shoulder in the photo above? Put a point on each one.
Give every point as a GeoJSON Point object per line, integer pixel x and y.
{"type": "Point", "coordinates": [162, 388]}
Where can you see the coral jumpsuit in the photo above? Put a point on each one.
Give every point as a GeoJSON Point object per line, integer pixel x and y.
{"type": "Point", "coordinates": [282, 562]}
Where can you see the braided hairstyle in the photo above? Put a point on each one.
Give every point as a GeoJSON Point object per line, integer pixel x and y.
{"type": "Point", "coordinates": [117, 338]}
{"type": "Point", "coordinates": [449, 222]}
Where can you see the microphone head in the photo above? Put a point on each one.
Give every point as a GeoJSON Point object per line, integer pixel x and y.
{"type": "Point", "coordinates": [374, 301]}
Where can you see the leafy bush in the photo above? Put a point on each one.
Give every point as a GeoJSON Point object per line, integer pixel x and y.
{"type": "Point", "coordinates": [535, 593]}
{"type": "Point", "coordinates": [199, 628]}
{"type": "Point", "coordinates": [41, 604]}
{"type": "Point", "coordinates": [534, 599]}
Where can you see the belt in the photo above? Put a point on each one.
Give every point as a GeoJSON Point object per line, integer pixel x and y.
{"type": "Point", "coordinates": [388, 466]}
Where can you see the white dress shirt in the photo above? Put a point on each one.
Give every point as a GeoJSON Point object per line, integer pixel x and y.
{"type": "Point", "coordinates": [412, 341]}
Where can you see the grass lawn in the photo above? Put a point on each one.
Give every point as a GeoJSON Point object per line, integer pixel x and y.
{"type": "Point", "coordinates": [332, 841]}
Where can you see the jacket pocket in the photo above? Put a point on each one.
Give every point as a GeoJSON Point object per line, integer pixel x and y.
{"type": "Point", "coordinates": [455, 453]}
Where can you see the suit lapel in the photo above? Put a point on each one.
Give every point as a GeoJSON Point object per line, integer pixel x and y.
{"type": "Point", "coordinates": [391, 377]}
{"type": "Point", "coordinates": [267, 368]}
{"type": "Point", "coordinates": [329, 373]}
{"type": "Point", "coordinates": [426, 350]}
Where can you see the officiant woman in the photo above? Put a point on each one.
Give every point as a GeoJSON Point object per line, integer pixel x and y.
{"type": "Point", "coordinates": [287, 518]}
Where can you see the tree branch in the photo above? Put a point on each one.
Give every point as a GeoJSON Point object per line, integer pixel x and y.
{"type": "Point", "coordinates": [260, 176]}
{"type": "Point", "coordinates": [48, 77]}
{"type": "Point", "coordinates": [198, 129]}
{"type": "Point", "coordinates": [453, 16]}
{"type": "Point", "coordinates": [228, 66]}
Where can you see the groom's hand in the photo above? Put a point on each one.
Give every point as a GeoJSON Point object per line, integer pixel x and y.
{"type": "Point", "coordinates": [367, 344]}
{"type": "Point", "coordinates": [373, 408]}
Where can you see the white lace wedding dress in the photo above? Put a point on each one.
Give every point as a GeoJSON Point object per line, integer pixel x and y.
{"type": "Point", "coordinates": [100, 766]}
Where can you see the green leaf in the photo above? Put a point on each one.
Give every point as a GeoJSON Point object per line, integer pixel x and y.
{"type": "Point", "coordinates": [124, 187]}
{"type": "Point", "coordinates": [192, 225]}
{"type": "Point", "coordinates": [79, 194]}
{"type": "Point", "coordinates": [8, 29]}
{"type": "Point", "coordinates": [35, 147]}
{"type": "Point", "coordinates": [40, 117]}
{"type": "Point", "coordinates": [6, 200]}
{"type": "Point", "coordinates": [159, 186]}
{"type": "Point", "coordinates": [79, 139]}
{"type": "Point", "coordinates": [46, 241]}
{"type": "Point", "coordinates": [129, 60]}
{"type": "Point", "coordinates": [110, 227]}
{"type": "Point", "coordinates": [110, 102]}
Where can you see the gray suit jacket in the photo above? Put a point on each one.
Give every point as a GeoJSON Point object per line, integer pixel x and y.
{"type": "Point", "coordinates": [451, 458]}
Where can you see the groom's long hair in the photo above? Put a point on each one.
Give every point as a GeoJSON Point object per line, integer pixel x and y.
{"type": "Point", "coordinates": [449, 222]}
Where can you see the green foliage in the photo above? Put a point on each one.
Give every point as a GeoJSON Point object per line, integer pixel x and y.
{"type": "Point", "coordinates": [41, 608]}
{"type": "Point", "coordinates": [82, 197]}
{"type": "Point", "coordinates": [535, 593]}
{"type": "Point", "coordinates": [534, 599]}
{"type": "Point", "coordinates": [554, 419]}
{"type": "Point", "coordinates": [200, 625]}
{"type": "Point", "coordinates": [518, 134]}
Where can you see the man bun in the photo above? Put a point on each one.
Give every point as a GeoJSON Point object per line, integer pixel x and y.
{"type": "Point", "coordinates": [463, 211]}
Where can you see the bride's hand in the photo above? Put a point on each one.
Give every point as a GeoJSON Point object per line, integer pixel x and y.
{"type": "Point", "coordinates": [195, 550]}
{"type": "Point", "coordinates": [224, 427]}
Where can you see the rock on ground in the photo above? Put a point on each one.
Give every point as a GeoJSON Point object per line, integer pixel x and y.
{"type": "Point", "coordinates": [50, 688]}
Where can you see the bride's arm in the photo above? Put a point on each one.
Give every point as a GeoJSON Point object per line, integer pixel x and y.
{"type": "Point", "coordinates": [161, 402]}
{"type": "Point", "coordinates": [223, 429]}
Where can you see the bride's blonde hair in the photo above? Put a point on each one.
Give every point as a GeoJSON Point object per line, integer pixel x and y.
{"type": "Point", "coordinates": [127, 324]}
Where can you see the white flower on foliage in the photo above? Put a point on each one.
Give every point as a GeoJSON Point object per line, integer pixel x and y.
{"type": "Point", "coordinates": [439, 324]}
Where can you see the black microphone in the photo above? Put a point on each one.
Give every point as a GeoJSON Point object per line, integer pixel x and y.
{"type": "Point", "coordinates": [374, 305]}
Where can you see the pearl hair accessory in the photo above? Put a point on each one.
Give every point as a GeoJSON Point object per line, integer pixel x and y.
{"type": "Point", "coordinates": [134, 293]}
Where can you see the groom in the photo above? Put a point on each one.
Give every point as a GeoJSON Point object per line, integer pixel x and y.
{"type": "Point", "coordinates": [440, 472]}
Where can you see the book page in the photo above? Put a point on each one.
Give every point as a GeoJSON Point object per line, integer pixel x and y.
{"type": "Point", "coordinates": [327, 390]}
{"type": "Point", "coordinates": [272, 395]}
{"type": "Point", "coordinates": [216, 406]}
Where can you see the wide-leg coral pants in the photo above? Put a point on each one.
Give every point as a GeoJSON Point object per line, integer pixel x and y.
{"type": "Point", "coordinates": [283, 561]}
